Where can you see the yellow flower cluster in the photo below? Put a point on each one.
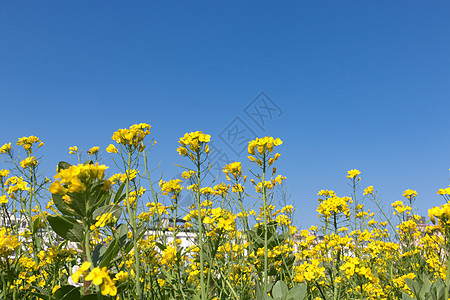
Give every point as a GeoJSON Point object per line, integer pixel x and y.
{"type": "Point", "coordinates": [188, 174]}
{"type": "Point", "coordinates": [98, 277]}
{"type": "Point", "coordinates": [326, 193]}
{"type": "Point", "coordinates": [194, 142]}
{"type": "Point", "coordinates": [309, 271]}
{"type": "Point", "coordinates": [104, 220]}
{"type": "Point", "coordinates": [93, 150]}
{"type": "Point", "coordinates": [238, 188]}
{"type": "Point", "coordinates": [8, 243]}
{"type": "Point", "coordinates": [16, 184]}
{"type": "Point", "coordinates": [75, 178]}
{"type": "Point", "coordinates": [156, 208]}
{"type": "Point", "coordinates": [171, 187]}
{"type": "Point", "coordinates": [121, 177]}
{"type": "Point", "coordinates": [4, 173]}
{"type": "Point", "coordinates": [101, 277]}
{"type": "Point", "coordinates": [334, 205]}
{"type": "Point", "coordinates": [353, 266]}
{"type": "Point", "coordinates": [221, 219]}
{"type": "Point", "coordinates": [400, 282]}
{"type": "Point", "coordinates": [208, 191]}
{"type": "Point", "coordinates": [5, 149]}
{"type": "Point", "coordinates": [263, 145]}
{"type": "Point", "coordinates": [353, 173]}
{"type": "Point", "coordinates": [28, 142]}
{"type": "Point", "coordinates": [168, 255]}
{"type": "Point", "coordinates": [445, 191]}
{"type": "Point", "coordinates": [409, 194]}
{"type": "Point", "coordinates": [221, 189]}
{"type": "Point", "coordinates": [134, 195]}
{"type": "Point", "coordinates": [132, 136]}
{"type": "Point", "coordinates": [368, 190]}
{"type": "Point", "coordinates": [261, 148]}
{"type": "Point", "coordinates": [409, 226]}
{"type": "Point", "coordinates": [3, 199]}
{"type": "Point", "coordinates": [56, 254]}
{"type": "Point", "coordinates": [73, 150]}
{"type": "Point", "coordinates": [112, 149]}
{"type": "Point", "coordinates": [400, 208]}
{"type": "Point", "coordinates": [29, 162]}
{"type": "Point", "coordinates": [441, 212]}
{"type": "Point", "coordinates": [121, 276]}
{"type": "Point", "coordinates": [234, 169]}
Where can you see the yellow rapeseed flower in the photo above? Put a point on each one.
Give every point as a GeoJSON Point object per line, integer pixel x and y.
{"type": "Point", "coordinates": [112, 149]}
{"type": "Point", "coordinates": [193, 143]}
{"type": "Point", "coordinates": [30, 161]}
{"type": "Point", "coordinates": [353, 173]}
{"type": "Point", "coordinates": [5, 149]}
{"type": "Point", "coordinates": [368, 190]}
{"type": "Point", "coordinates": [73, 149]}
{"type": "Point", "coordinates": [4, 173]}
{"type": "Point", "coordinates": [93, 150]}
{"type": "Point", "coordinates": [28, 142]}
{"type": "Point", "coordinates": [409, 194]}
{"type": "Point", "coordinates": [171, 187]}
{"type": "Point", "coordinates": [132, 136]}
{"type": "Point", "coordinates": [8, 243]}
{"type": "Point", "coordinates": [75, 178]}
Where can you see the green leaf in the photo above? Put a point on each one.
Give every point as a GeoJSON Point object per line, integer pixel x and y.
{"type": "Point", "coordinates": [62, 165]}
{"type": "Point", "coordinates": [42, 296]}
{"type": "Point", "coordinates": [97, 254]}
{"type": "Point", "coordinates": [406, 297]}
{"type": "Point", "coordinates": [116, 211]}
{"type": "Point", "coordinates": [97, 197]}
{"type": "Point", "coordinates": [63, 207]}
{"type": "Point", "coordinates": [298, 292]}
{"type": "Point", "coordinates": [168, 276]}
{"type": "Point", "coordinates": [92, 297]}
{"type": "Point", "coordinates": [67, 292]}
{"type": "Point", "coordinates": [440, 293]}
{"type": "Point", "coordinates": [78, 204]}
{"type": "Point", "coordinates": [36, 223]}
{"type": "Point", "coordinates": [260, 293]}
{"type": "Point", "coordinates": [119, 196]}
{"type": "Point", "coordinates": [425, 287]}
{"type": "Point", "coordinates": [279, 290]}
{"type": "Point", "coordinates": [414, 286]}
{"type": "Point", "coordinates": [67, 227]}
{"type": "Point", "coordinates": [110, 253]}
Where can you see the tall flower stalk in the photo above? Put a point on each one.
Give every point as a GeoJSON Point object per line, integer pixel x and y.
{"type": "Point", "coordinates": [193, 145]}
{"type": "Point", "coordinates": [132, 141]}
{"type": "Point", "coordinates": [260, 151]}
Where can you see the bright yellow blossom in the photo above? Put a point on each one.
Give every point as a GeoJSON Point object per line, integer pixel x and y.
{"type": "Point", "coordinates": [93, 150]}
{"type": "Point", "coordinates": [133, 136]}
{"type": "Point", "coordinates": [5, 149]}
{"type": "Point", "coordinates": [112, 149]}
{"type": "Point", "coordinates": [73, 149]}
{"type": "Point", "coordinates": [368, 190]}
{"type": "Point", "coordinates": [409, 193]}
{"type": "Point", "coordinates": [353, 173]}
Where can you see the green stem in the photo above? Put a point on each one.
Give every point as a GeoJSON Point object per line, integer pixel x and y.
{"type": "Point", "coordinates": [87, 249]}
{"type": "Point", "coordinates": [30, 219]}
{"type": "Point", "coordinates": [447, 277]}
{"type": "Point", "coordinates": [264, 195]}
{"type": "Point", "coordinates": [154, 197]}
{"type": "Point", "coordinates": [133, 229]}
{"type": "Point", "coordinates": [200, 229]}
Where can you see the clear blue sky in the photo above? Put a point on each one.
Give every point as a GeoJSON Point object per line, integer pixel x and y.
{"type": "Point", "coordinates": [359, 84]}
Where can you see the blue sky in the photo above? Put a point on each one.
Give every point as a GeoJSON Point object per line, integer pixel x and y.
{"type": "Point", "coordinates": [359, 84]}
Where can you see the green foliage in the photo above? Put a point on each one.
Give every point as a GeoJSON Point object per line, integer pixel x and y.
{"type": "Point", "coordinates": [423, 289]}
